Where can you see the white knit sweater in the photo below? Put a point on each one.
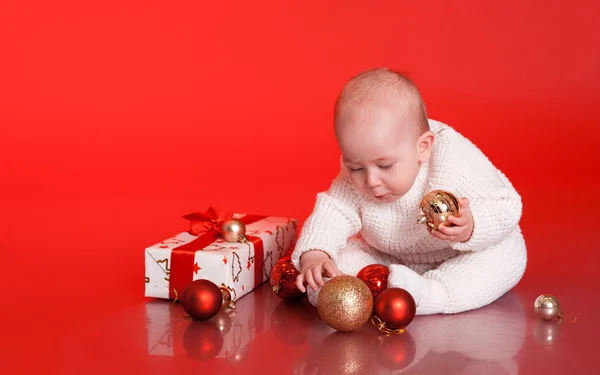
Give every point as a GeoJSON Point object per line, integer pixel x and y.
{"type": "Point", "coordinates": [456, 165]}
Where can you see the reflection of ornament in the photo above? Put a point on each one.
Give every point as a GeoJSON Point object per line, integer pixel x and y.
{"type": "Point", "coordinates": [202, 299]}
{"type": "Point", "coordinates": [546, 333]}
{"type": "Point", "coordinates": [396, 351]}
{"type": "Point", "coordinates": [202, 340]}
{"type": "Point", "coordinates": [233, 230]}
{"type": "Point", "coordinates": [239, 356]}
{"type": "Point", "coordinates": [346, 354]}
{"type": "Point", "coordinates": [283, 280]}
{"type": "Point", "coordinates": [224, 322]}
{"type": "Point", "coordinates": [436, 207]}
{"type": "Point", "coordinates": [395, 308]}
{"type": "Point", "coordinates": [345, 303]}
{"type": "Point", "coordinates": [547, 307]}
{"type": "Point", "coordinates": [290, 322]}
{"type": "Point", "coordinates": [375, 276]}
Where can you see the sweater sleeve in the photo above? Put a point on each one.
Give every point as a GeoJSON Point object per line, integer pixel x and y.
{"type": "Point", "coordinates": [334, 219]}
{"type": "Point", "coordinates": [461, 168]}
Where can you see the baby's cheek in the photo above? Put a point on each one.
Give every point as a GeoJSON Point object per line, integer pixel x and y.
{"type": "Point", "coordinates": [356, 181]}
{"type": "Point", "coordinates": [399, 183]}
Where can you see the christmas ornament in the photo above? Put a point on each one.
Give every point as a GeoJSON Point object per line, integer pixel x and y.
{"type": "Point", "coordinates": [547, 307]}
{"type": "Point", "coordinates": [228, 302]}
{"type": "Point", "coordinates": [283, 280]}
{"type": "Point", "coordinates": [436, 207]}
{"type": "Point", "coordinates": [396, 352]}
{"type": "Point", "coordinates": [345, 303]}
{"type": "Point", "coordinates": [202, 340]}
{"type": "Point", "coordinates": [375, 276]}
{"type": "Point", "coordinates": [234, 230]}
{"type": "Point", "coordinates": [395, 309]}
{"type": "Point", "coordinates": [202, 299]}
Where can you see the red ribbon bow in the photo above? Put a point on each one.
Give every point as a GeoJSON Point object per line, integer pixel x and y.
{"type": "Point", "coordinates": [207, 226]}
{"type": "Point", "coordinates": [204, 222]}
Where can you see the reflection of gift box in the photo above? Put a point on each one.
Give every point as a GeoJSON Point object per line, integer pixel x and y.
{"type": "Point", "coordinates": [202, 253]}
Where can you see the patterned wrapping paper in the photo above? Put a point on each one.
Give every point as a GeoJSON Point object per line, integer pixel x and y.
{"type": "Point", "coordinates": [240, 267]}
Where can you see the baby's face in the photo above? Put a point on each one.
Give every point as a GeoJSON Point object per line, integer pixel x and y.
{"type": "Point", "coordinates": [381, 152]}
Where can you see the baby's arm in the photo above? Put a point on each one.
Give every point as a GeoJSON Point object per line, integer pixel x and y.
{"type": "Point", "coordinates": [461, 168]}
{"type": "Point", "coordinates": [334, 219]}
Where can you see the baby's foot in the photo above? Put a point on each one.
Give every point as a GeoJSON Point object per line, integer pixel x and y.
{"type": "Point", "coordinates": [407, 279]}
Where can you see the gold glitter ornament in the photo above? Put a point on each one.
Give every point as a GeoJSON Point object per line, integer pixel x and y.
{"type": "Point", "coordinates": [547, 307]}
{"type": "Point", "coordinates": [436, 207]}
{"type": "Point", "coordinates": [345, 303]}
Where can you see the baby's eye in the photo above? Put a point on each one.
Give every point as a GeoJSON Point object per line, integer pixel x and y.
{"type": "Point", "coordinates": [355, 169]}
{"type": "Point", "coordinates": [386, 166]}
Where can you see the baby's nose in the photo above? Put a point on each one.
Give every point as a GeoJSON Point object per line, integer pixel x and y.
{"type": "Point", "coordinates": [373, 180]}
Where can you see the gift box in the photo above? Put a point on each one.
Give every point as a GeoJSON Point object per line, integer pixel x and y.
{"type": "Point", "coordinates": [203, 252]}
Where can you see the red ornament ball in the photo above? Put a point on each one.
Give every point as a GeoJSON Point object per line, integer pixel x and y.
{"type": "Point", "coordinates": [396, 308]}
{"type": "Point", "coordinates": [202, 299]}
{"type": "Point", "coordinates": [283, 280]}
{"type": "Point", "coordinates": [375, 276]}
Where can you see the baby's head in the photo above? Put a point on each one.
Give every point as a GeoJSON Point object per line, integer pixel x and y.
{"type": "Point", "coordinates": [382, 130]}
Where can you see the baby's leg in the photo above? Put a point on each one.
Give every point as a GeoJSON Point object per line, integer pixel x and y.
{"type": "Point", "coordinates": [354, 257]}
{"type": "Point", "coordinates": [467, 281]}
{"type": "Point", "coordinates": [359, 254]}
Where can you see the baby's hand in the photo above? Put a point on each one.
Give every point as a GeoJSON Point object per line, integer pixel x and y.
{"type": "Point", "coordinates": [463, 225]}
{"type": "Point", "coordinates": [314, 265]}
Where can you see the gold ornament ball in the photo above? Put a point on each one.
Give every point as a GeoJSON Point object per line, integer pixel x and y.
{"type": "Point", "coordinates": [233, 231]}
{"type": "Point", "coordinates": [436, 207]}
{"type": "Point", "coordinates": [547, 307]}
{"type": "Point", "coordinates": [345, 303]}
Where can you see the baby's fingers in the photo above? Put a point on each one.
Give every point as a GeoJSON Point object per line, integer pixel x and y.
{"type": "Point", "coordinates": [463, 203]}
{"type": "Point", "coordinates": [458, 220]}
{"type": "Point", "coordinates": [451, 231]}
{"type": "Point", "coordinates": [331, 269]}
{"type": "Point", "coordinates": [317, 273]}
{"type": "Point", "coordinates": [310, 279]}
{"type": "Point", "coordinates": [300, 283]}
{"type": "Point", "coordinates": [440, 235]}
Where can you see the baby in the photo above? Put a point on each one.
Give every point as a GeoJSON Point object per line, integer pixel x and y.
{"type": "Point", "coordinates": [392, 156]}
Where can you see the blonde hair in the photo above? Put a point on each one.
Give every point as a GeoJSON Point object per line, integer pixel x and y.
{"type": "Point", "coordinates": [378, 85]}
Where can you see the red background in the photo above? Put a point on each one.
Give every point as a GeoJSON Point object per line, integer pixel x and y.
{"type": "Point", "coordinates": [118, 117]}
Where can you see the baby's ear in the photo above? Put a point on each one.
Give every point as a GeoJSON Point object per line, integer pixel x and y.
{"type": "Point", "coordinates": [425, 144]}
{"type": "Point", "coordinates": [343, 166]}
